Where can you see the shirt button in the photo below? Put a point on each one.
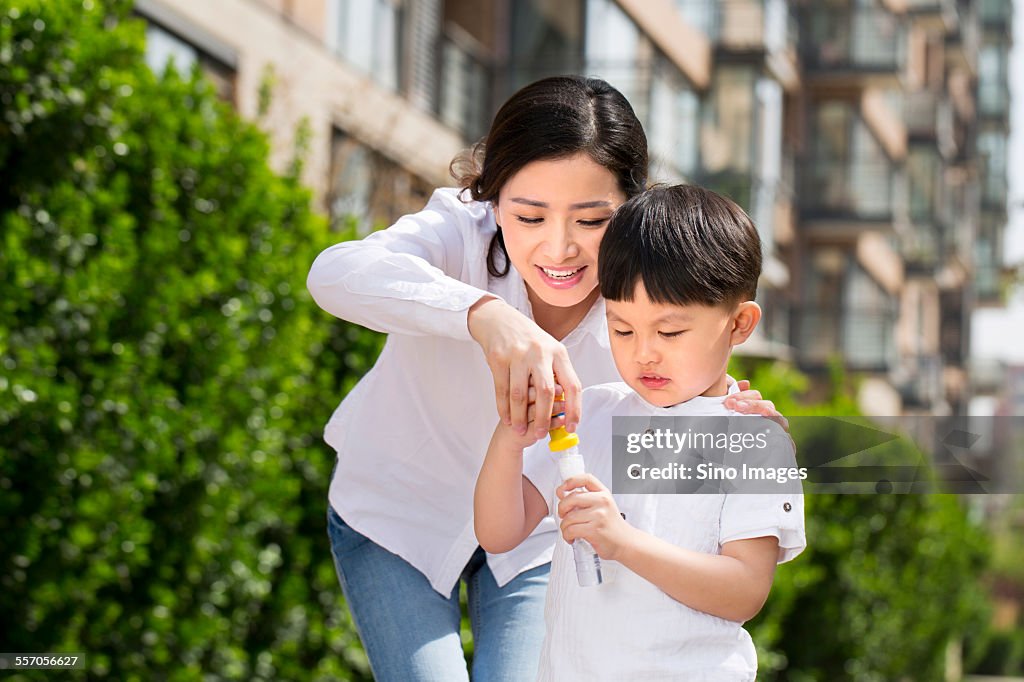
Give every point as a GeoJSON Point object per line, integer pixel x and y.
{"type": "Point", "coordinates": [787, 507]}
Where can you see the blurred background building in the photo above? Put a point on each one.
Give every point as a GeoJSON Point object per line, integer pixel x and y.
{"type": "Point", "coordinates": [867, 139]}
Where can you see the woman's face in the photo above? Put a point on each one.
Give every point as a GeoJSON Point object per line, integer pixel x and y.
{"type": "Point", "coordinates": [553, 214]}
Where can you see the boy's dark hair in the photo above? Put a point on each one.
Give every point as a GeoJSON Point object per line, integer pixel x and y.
{"type": "Point", "coordinates": [688, 245]}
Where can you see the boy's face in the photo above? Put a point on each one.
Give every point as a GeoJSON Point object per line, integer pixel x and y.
{"type": "Point", "coordinates": [671, 353]}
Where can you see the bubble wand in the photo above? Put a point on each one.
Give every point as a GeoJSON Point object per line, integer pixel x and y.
{"type": "Point", "coordinates": [570, 463]}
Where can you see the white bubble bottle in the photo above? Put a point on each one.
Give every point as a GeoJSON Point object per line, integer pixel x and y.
{"type": "Point", "coordinates": [570, 463]}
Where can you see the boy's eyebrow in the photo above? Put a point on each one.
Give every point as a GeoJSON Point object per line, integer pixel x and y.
{"type": "Point", "coordinates": [668, 317]}
{"type": "Point", "coordinates": [675, 316]}
{"type": "Point", "coordinates": [583, 204]}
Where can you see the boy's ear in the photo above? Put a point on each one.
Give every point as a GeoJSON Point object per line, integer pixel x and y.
{"type": "Point", "coordinates": [744, 321]}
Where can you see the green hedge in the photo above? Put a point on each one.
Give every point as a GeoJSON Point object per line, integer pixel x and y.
{"type": "Point", "coordinates": [165, 376]}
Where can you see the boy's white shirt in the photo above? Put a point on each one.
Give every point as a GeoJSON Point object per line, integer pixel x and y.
{"type": "Point", "coordinates": [412, 435]}
{"type": "Point", "coordinates": [628, 628]}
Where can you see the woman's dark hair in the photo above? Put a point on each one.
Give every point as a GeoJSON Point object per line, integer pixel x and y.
{"type": "Point", "coordinates": [554, 118]}
{"type": "Point", "coordinates": [688, 245]}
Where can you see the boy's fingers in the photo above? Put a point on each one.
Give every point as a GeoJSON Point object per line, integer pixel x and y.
{"type": "Point", "coordinates": [588, 481]}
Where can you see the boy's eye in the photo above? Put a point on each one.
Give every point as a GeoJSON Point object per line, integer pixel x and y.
{"type": "Point", "coordinates": [622, 333]}
{"type": "Point", "coordinates": [670, 335]}
{"type": "Point", "coordinates": [528, 220]}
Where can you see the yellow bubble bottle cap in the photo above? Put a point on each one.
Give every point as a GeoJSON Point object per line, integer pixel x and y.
{"type": "Point", "coordinates": [562, 439]}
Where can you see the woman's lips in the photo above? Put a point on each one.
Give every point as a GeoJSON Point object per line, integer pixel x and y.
{"type": "Point", "coordinates": [654, 381]}
{"type": "Point", "coordinates": [563, 282]}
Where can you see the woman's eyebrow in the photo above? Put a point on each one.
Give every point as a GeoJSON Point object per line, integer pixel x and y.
{"type": "Point", "coordinates": [583, 204]}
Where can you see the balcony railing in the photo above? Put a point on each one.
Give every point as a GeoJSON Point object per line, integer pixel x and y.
{"type": "Point", "coordinates": [863, 339]}
{"type": "Point", "coordinates": [847, 189]}
{"type": "Point", "coordinates": [942, 8]}
{"type": "Point", "coordinates": [995, 189]}
{"type": "Point", "coordinates": [920, 383]}
{"type": "Point", "coordinates": [928, 114]}
{"type": "Point", "coordinates": [743, 24]}
{"type": "Point", "coordinates": [865, 40]}
{"type": "Point", "coordinates": [993, 99]}
{"type": "Point", "coordinates": [996, 13]}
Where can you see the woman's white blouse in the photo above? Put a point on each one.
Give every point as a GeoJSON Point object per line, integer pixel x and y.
{"type": "Point", "coordinates": [412, 435]}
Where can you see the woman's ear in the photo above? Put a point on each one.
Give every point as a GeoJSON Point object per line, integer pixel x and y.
{"type": "Point", "coordinates": [744, 321]}
{"type": "Point", "coordinates": [496, 212]}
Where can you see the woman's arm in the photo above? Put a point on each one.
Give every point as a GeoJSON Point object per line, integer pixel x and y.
{"type": "Point", "coordinates": [405, 279]}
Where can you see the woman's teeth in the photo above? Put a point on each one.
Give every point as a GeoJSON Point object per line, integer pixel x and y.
{"type": "Point", "coordinates": [560, 274]}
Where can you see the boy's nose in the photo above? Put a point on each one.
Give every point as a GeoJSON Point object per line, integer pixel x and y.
{"type": "Point", "coordinates": [646, 354]}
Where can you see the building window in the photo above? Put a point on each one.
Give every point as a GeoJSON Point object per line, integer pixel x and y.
{"type": "Point", "coordinates": [992, 79]}
{"type": "Point", "coordinates": [164, 47]}
{"type": "Point", "coordinates": [547, 39]}
{"type": "Point", "coordinates": [672, 126]}
{"type": "Point", "coordinates": [992, 152]}
{"type": "Point", "coordinates": [368, 189]}
{"type": "Point", "coordinates": [365, 33]}
{"type": "Point", "coordinates": [845, 313]}
{"type": "Point", "coordinates": [465, 84]}
{"type": "Point", "coordinates": [616, 51]}
{"type": "Point", "coordinates": [849, 173]}
{"type": "Point", "coordinates": [727, 134]}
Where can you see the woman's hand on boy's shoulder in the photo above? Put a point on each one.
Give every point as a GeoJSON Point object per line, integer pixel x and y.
{"type": "Point", "coordinates": [591, 514]}
{"type": "Point", "coordinates": [749, 401]}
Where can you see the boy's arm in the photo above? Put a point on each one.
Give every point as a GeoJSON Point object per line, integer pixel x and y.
{"type": "Point", "coordinates": [506, 505]}
{"type": "Point", "coordinates": [732, 585]}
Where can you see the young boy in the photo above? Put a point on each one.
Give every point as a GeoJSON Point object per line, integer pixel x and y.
{"type": "Point", "coordinates": [678, 271]}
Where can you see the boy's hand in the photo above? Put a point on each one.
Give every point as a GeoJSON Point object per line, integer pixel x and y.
{"type": "Point", "coordinates": [513, 439]}
{"type": "Point", "coordinates": [592, 514]}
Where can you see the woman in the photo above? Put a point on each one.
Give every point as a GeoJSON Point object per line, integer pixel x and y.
{"type": "Point", "coordinates": [493, 285]}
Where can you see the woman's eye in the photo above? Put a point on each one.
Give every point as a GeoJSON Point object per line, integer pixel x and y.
{"type": "Point", "coordinates": [670, 335]}
{"type": "Point", "coordinates": [593, 223]}
{"type": "Point", "coordinates": [621, 333]}
{"type": "Point", "coordinates": [528, 220]}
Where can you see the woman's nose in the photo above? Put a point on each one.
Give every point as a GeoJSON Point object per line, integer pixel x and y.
{"type": "Point", "coordinates": [561, 245]}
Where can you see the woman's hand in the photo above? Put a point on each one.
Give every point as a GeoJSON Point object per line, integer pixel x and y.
{"type": "Point", "coordinates": [749, 401]}
{"type": "Point", "coordinates": [509, 438]}
{"type": "Point", "coordinates": [520, 355]}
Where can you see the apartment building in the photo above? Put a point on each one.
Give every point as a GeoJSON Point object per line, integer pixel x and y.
{"type": "Point", "coordinates": [867, 138]}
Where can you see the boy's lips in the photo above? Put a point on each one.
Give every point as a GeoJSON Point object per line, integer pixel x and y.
{"type": "Point", "coordinates": [653, 380]}
{"type": "Point", "coordinates": [561, 277]}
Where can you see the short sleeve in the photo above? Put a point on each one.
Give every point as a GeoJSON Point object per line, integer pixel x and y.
{"type": "Point", "coordinates": [540, 466]}
{"type": "Point", "coordinates": [755, 515]}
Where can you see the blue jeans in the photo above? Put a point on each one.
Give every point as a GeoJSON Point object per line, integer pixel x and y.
{"type": "Point", "coordinates": [411, 633]}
